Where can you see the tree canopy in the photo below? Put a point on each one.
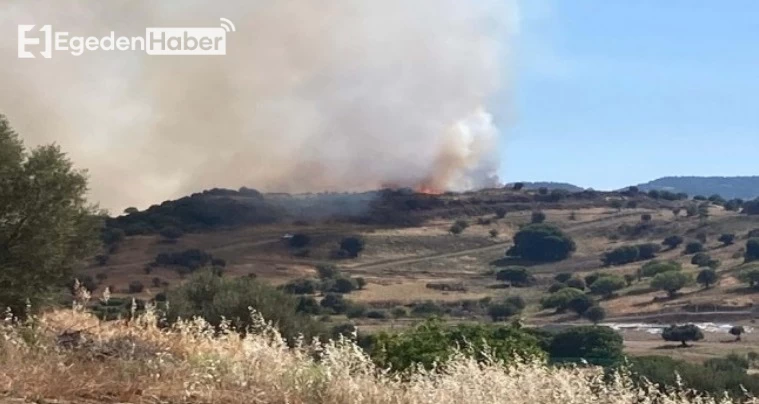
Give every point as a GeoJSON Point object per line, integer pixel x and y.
{"type": "Point", "coordinates": [542, 243]}
{"type": "Point", "coordinates": [46, 225]}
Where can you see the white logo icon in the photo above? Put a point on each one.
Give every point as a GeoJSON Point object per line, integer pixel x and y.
{"type": "Point", "coordinates": [157, 41]}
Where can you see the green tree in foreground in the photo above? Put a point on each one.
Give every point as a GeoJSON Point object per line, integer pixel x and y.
{"type": "Point", "coordinates": [682, 333]}
{"type": "Point", "coordinates": [46, 226]}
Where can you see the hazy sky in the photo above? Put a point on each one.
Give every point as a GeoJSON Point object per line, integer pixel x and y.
{"type": "Point", "coordinates": [611, 93]}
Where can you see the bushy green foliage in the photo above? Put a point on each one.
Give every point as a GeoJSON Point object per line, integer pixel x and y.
{"type": "Point", "coordinates": [515, 276]}
{"type": "Point", "coordinates": [136, 287]}
{"type": "Point", "coordinates": [621, 255]}
{"type": "Point", "coordinates": [750, 275]}
{"type": "Point", "coordinates": [171, 233]}
{"type": "Point", "coordinates": [335, 302]}
{"type": "Point", "coordinates": [751, 207]}
{"type": "Point", "coordinates": [500, 212]}
{"type": "Point", "coordinates": [670, 282]}
{"type": "Point", "coordinates": [576, 283]}
{"type": "Point", "coordinates": [556, 286]}
{"type": "Point", "coordinates": [707, 277]}
{"type": "Point", "coordinates": [595, 314]}
{"type": "Point", "coordinates": [715, 380]}
{"type": "Point", "coordinates": [212, 297]}
{"type": "Point", "coordinates": [433, 342]}
{"type": "Point", "coordinates": [701, 259]}
{"type": "Point", "coordinates": [607, 285]}
{"type": "Point", "coordinates": [46, 224]}
{"type": "Point", "coordinates": [752, 250]}
{"type": "Point", "coordinates": [727, 239]}
{"type": "Point", "coordinates": [562, 277]}
{"type": "Point", "coordinates": [327, 271]}
{"type": "Point", "coordinates": [538, 217]}
{"type": "Point", "coordinates": [580, 304]}
{"type": "Point", "coordinates": [542, 243]}
{"type": "Point", "coordinates": [352, 246]}
{"type": "Point", "coordinates": [648, 251]}
{"type": "Point", "coordinates": [188, 260]}
{"type": "Point", "coordinates": [694, 247]}
{"type": "Point", "coordinates": [300, 286]}
{"type": "Point", "coordinates": [560, 300]}
{"type": "Point", "coordinates": [682, 333]}
{"type": "Point", "coordinates": [654, 268]}
{"type": "Point", "coordinates": [673, 241]}
{"type": "Point", "coordinates": [594, 344]}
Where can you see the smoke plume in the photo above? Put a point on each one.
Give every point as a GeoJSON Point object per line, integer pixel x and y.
{"type": "Point", "coordinates": [311, 96]}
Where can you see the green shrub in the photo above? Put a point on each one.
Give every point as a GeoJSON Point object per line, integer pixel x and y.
{"type": "Point", "coordinates": [515, 276]}
{"type": "Point", "coordinates": [595, 314]}
{"type": "Point", "coordinates": [562, 277]}
{"type": "Point", "coordinates": [715, 379]}
{"type": "Point", "coordinates": [301, 287]}
{"type": "Point", "coordinates": [352, 246]}
{"type": "Point", "coordinates": [752, 250]}
{"type": "Point", "coordinates": [654, 268]}
{"type": "Point", "coordinates": [433, 342]}
{"type": "Point", "coordinates": [594, 344]}
{"type": "Point", "coordinates": [727, 239]}
{"type": "Point", "coordinates": [750, 276]}
{"type": "Point", "coordinates": [648, 251]}
{"type": "Point", "coordinates": [211, 297]}
{"type": "Point", "coordinates": [580, 304]}
{"type": "Point", "coordinates": [560, 300]}
{"type": "Point", "coordinates": [701, 259]}
{"type": "Point", "coordinates": [136, 287]}
{"type": "Point", "coordinates": [673, 241]}
{"type": "Point", "coordinates": [538, 217]}
{"type": "Point", "coordinates": [671, 282]}
{"type": "Point", "coordinates": [335, 302]}
{"type": "Point", "coordinates": [621, 255]}
{"type": "Point", "coordinates": [427, 309]}
{"type": "Point", "coordinates": [576, 283]}
{"type": "Point", "coordinates": [607, 285]}
{"type": "Point", "coordinates": [694, 247]}
{"type": "Point", "coordinates": [707, 277]}
{"type": "Point", "coordinates": [542, 243]}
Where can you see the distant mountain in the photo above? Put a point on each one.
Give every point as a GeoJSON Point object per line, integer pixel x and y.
{"type": "Point", "coordinates": [552, 185]}
{"type": "Point", "coordinates": [727, 187]}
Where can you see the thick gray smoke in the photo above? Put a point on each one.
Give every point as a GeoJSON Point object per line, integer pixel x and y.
{"type": "Point", "coordinates": [312, 95]}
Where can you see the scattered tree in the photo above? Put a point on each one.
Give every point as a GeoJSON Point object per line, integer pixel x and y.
{"type": "Point", "coordinates": [580, 304]}
{"type": "Point", "coordinates": [171, 233]}
{"type": "Point", "coordinates": [654, 268]}
{"type": "Point", "coordinates": [607, 285]}
{"type": "Point", "coordinates": [542, 243]}
{"type": "Point", "coordinates": [701, 259]}
{"type": "Point", "coordinates": [595, 314]}
{"type": "Point", "coordinates": [518, 186]}
{"type": "Point", "coordinates": [456, 229]}
{"type": "Point", "coordinates": [707, 277]}
{"type": "Point", "coordinates": [352, 245]}
{"type": "Point", "coordinates": [515, 276]}
{"type": "Point", "coordinates": [646, 217]}
{"type": "Point", "coordinates": [693, 247]}
{"type": "Point", "coordinates": [560, 300]}
{"type": "Point", "coordinates": [621, 255]}
{"type": "Point", "coordinates": [629, 279]}
{"type": "Point", "coordinates": [750, 276]}
{"type": "Point", "coordinates": [737, 330]}
{"type": "Point", "coordinates": [136, 287]}
{"type": "Point", "coordinates": [673, 241]}
{"type": "Point", "coordinates": [538, 217]}
{"type": "Point", "coordinates": [562, 277]}
{"type": "Point", "coordinates": [752, 250]}
{"type": "Point", "coordinates": [727, 239]}
{"type": "Point", "coordinates": [682, 334]}
{"type": "Point", "coordinates": [648, 251]}
{"type": "Point", "coordinates": [500, 212]}
{"type": "Point", "coordinates": [493, 233]}
{"type": "Point", "coordinates": [596, 345]}
{"type": "Point", "coordinates": [670, 282]}
{"type": "Point", "coordinates": [130, 210]}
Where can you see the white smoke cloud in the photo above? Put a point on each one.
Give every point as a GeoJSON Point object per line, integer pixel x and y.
{"type": "Point", "coordinates": [312, 95]}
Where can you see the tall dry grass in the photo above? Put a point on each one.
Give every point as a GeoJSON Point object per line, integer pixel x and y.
{"type": "Point", "coordinates": [71, 355]}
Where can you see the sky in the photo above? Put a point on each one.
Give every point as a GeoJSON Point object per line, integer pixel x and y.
{"type": "Point", "coordinates": [613, 93]}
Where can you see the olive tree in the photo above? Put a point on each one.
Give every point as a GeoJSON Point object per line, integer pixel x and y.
{"type": "Point", "coordinates": [46, 225]}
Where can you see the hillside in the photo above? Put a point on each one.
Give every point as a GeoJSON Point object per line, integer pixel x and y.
{"type": "Point", "coordinates": [552, 185]}
{"type": "Point", "coordinates": [727, 187]}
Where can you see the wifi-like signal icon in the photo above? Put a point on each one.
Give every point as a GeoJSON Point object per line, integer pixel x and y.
{"type": "Point", "coordinates": [227, 25]}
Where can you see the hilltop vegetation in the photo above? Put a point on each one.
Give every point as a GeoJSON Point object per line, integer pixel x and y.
{"type": "Point", "coordinates": [727, 187]}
